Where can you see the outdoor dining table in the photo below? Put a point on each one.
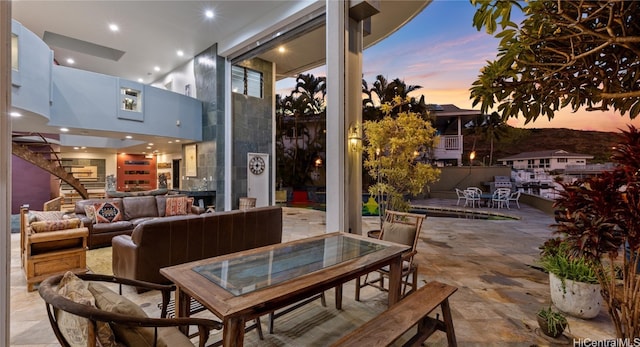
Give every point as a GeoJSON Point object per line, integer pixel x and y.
{"type": "Point", "coordinates": [243, 286]}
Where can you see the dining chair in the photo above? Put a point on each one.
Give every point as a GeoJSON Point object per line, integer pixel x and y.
{"type": "Point", "coordinates": [403, 228]}
{"type": "Point", "coordinates": [460, 194]}
{"type": "Point", "coordinates": [500, 198]}
{"type": "Point", "coordinates": [515, 196]}
{"type": "Point", "coordinates": [472, 196]}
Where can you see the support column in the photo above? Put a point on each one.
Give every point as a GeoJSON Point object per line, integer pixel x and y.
{"type": "Point", "coordinates": [344, 115]}
{"type": "Point", "coordinates": [5, 169]}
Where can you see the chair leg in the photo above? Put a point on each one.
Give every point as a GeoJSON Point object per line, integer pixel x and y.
{"type": "Point", "coordinates": [357, 289]}
{"type": "Point", "coordinates": [259, 328]}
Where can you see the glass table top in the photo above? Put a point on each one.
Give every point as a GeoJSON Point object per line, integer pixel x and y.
{"type": "Point", "coordinates": [253, 272]}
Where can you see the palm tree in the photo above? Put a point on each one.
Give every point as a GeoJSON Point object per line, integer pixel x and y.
{"type": "Point", "coordinates": [386, 92]}
{"type": "Point", "coordinates": [492, 128]}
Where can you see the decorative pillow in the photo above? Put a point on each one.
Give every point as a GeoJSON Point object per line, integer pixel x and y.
{"type": "Point", "coordinates": [90, 211]}
{"type": "Point", "coordinates": [75, 329]}
{"type": "Point", "coordinates": [399, 233]}
{"type": "Point", "coordinates": [108, 212]}
{"type": "Point", "coordinates": [52, 225]}
{"type": "Point", "coordinates": [110, 301]}
{"type": "Point", "coordinates": [38, 216]}
{"type": "Point", "coordinates": [177, 206]}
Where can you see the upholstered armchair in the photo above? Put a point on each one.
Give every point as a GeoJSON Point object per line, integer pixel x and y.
{"type": "Point", "coordinates": [83, 310]}
{"type": "Point", "coordinates": [51, 244]}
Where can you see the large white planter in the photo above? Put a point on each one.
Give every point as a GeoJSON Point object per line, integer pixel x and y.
{"type": "Point", "coordinates": [579, 299]}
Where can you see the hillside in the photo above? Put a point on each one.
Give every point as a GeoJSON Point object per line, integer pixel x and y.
{"type": "Point", "coordinates": [519, 140]}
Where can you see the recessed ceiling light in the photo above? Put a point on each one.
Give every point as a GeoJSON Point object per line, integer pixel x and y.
{"type": "Point", "coordinates": [150, 143]}
{"type": "Point", "coordinates": [15, 114]}
{"type": "Point", "coordinates": [83, 147]}
{"type": "Point", "coordinates": [129, 137]}
{"type": "Point", "coordinates": [64, 130]}
{"type": "Point", "coordinates": [180, 53]}
{"type": "Point", "coordinates": [114, 27]}
{"type": "Point", "coordinates": [177, 140]}
{"type": "Point", "coordinates": [281, 49]}
{"type": "Point", "coordinates": [157, 68]}
{"type": "Point", "coordinates": [76, 147]}
{"type": "Point", "coordinates": [208, 13]}
{"type": "Point", "coordinates": [148, 147]}
{"type": "Point", "coordinates": [140, 80]}
{"type": "Point", "coordinates": [170, 141]}
{"type": "Point", "coordinates": [70, 61]}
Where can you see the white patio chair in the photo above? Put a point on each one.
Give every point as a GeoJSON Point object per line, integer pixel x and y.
{"type": "Point", "coordinates": [472, 196]}
{"type": "Point", "coordinates": [460, 195]}
{"type": "Point", "coordinates": [500, 198]}
{"type": "Point", "coordinates": [515, 196]}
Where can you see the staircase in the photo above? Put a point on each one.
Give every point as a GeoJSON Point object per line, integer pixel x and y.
{"type": "Point", "coordinates": [36, 149]}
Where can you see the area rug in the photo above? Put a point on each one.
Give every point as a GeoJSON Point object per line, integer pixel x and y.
{"type": "Point", "coordinates": [99, 261]}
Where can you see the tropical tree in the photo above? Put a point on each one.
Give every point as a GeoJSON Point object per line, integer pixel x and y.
{"type": "Point", "coordinates": [384, 92]}
{"type": "Point", "coordinates": [564, 53]}
{"type": "Point", "coordinates": [391, 149]}
{"type": "Point", "coordinates": [300, 117]}
{"type": "Point", "coordinates": [491, 127]}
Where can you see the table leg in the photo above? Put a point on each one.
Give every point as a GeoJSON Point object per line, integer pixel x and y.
{"type": "Point", "coordinates": [183, 307]}
{"type": "Point", "coordinates": [395, 279]}
{"type": "Point", "coordinates": [233, 332]}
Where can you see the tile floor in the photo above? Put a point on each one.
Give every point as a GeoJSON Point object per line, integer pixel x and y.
{"type": "Point", "coordinates": [488, 260]}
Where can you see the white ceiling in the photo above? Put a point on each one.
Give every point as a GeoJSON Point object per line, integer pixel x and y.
{"type": "Point", "coordinates": [151, 32]}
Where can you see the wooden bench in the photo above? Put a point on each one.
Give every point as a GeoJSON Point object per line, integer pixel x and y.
{"type": "Point", "coordinates": [387, 327]}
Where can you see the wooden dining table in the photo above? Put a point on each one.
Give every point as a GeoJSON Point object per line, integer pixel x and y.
{"type": "Point", "coordinates": [242, 286]}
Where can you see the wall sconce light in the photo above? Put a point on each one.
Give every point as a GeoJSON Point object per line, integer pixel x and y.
{"type": "Point", "coordinates": [355, 138]}
{"type": "Point", "coordinates": [318, 162]}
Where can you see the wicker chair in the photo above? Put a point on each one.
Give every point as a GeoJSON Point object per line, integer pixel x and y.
{"type": "Point", "coordinates": [399, 227]}
{"type": "Point", "coordinates": [163, 328]}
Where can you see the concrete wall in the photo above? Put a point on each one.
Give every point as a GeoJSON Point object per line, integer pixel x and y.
{"type": "Point", "coordinates": [252, 128]}
{"type": "Point", "coordinates": [31, 83]}
{"type": "Point", "coordinates": [452, 177]}
{"type": "Point", "coordinates": [87, 100]}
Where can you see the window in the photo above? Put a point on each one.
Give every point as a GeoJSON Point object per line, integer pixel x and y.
{"type": "Point", "coordinates": [295, 132]}
{"type": "Point", "coordinates": [562, 160]}
{"type": "Point", "coordinates": [544, 163]}
{"type": "Point", "coordinates": [14, 52]}
{"type": "Point", "coordinates": [246, 81]}
{"type": "Point", "coordinates": [131, 99]}
{"type": "Point", "coordinates": [530, 164]}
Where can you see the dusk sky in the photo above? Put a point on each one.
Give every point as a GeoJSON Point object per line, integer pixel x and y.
{"type": "Point", "coordinates": [441, 51]}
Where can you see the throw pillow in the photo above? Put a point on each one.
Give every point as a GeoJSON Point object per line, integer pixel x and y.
{"type": "Point", "coordinates": [108, 212]}
{"type": "Point", "coordinates": [399, 233]}
{"type": "Point", "coordinates": [75, 329]}
{"type": "Point", "coordinates": [90, 211]}
{"type": "Point", "coordinates": [176, 206]}
{"type": "Point", "coordinates": [37, 216]}
{"type": "Point", "coordinates": [53, 225]}
{"type": "Point", "coordinates": [108, 300]}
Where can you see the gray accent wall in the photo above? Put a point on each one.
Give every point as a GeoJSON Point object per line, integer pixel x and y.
{"type": "Point", "coordinates": [252, 128]}
{"type": "Point", "coordinates": [209, 75]}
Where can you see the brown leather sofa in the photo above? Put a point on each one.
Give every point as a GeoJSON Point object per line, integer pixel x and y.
{"type": "Point", "coordinates": [134, 210]}
{"type": "Point", "coordinates": [168, 241]}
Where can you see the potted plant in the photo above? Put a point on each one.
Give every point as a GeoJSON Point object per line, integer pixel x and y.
{"type": "Point", "coordinates": [599, 217]}
{"type": "Point", "coordinates": [552, 323]}
{"type": "Point", "coordinates": [573, 283]}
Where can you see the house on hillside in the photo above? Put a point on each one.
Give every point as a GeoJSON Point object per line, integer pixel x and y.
{"type": "Point", "coordinates": [547, 160]}
{"type": "Point", "coordinates": [449, 121]}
